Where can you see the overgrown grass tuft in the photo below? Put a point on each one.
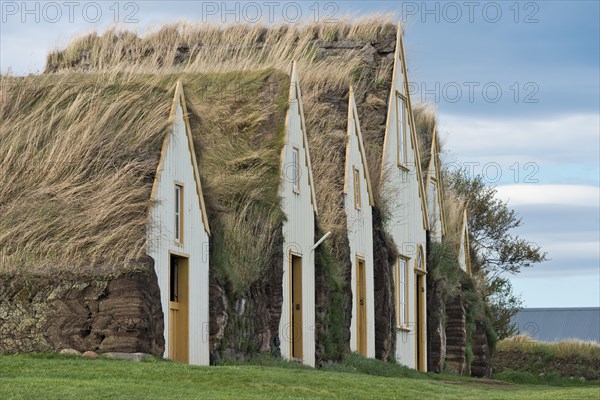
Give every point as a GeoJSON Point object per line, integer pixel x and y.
{"type": "Point", "coordinates": [589, 351]}
{"type": "Point", "coordinates": [522, 359]}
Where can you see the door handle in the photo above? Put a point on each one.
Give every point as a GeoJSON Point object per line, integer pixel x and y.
{"type": "Point", "coordinates": [297, 306]}
{"type": "Point", "coordinates": [362, 302]}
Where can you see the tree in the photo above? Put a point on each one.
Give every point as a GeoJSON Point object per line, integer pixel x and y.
{"type": "Point", "coordinates": [503, 304]}
{"type": "Point", "coordinates": [495, 251]}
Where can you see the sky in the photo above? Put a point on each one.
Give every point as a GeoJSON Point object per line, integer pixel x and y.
{"type": "Point", "coordinates": [516, 85]}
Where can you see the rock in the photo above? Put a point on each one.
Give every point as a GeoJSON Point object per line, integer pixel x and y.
{"type": "Point", "coordinates": [70, 352]}
{"type": "Point", "coordinates": [541, 374]}
{"type": "Point", "coordinates": [90, 354]}
{"type": "Point", "coordinates": [386, 46]}
{"type": "Point", "coordinates": [127, 356]}
{"type": "Point", "coordinates": [582, 379]}
{"type": "Point", "coordinates": [368, 55]}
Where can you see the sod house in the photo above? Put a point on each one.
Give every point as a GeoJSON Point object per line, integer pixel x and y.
{"type": "Point", "coordinates": [204, 192]}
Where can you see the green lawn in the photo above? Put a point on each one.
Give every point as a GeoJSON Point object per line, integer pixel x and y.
{"type": "Point", "coordinates": [62, 377]}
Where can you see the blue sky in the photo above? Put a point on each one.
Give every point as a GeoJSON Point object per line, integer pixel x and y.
{"type": "Point", "coordinates": [516, 86]}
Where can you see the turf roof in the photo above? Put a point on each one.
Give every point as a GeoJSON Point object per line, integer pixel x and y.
{"type": "Point", "coordinates": [78, 156]}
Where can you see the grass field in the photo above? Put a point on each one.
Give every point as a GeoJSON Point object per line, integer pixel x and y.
{"type": "Point", "coordinates": [64, 377]}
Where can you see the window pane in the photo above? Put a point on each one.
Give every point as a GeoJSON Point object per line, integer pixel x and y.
{"type": "Point", "coordinates": [296, 169]}
{"type": "Point", "coordinates": [178, 211]}
{"type": "Point", "coordinates": [403, 293]}
{"type": "Point", "coordinates": [357, 193]}
{"type": "Point", "coordinates": [401, 133]}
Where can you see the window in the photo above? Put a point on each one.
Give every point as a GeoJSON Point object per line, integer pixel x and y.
{"type": "Point", "coordinates": [433, 200]}
{"type": "Point", "coordinates": [420, 259]}
{"type": "Point", "coordinates": [401, 293]}
{"type": "Point", "coordinates": [357, 191]}
{"type": "Point", "coordinates": [179, 213]}
{"type": "Point", "coordinates": [401, 127]}
{"type": "Point", "coordinates": [296, 169]}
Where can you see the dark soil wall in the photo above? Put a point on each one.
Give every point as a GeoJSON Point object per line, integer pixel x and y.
{"type": "Point", "coordinates": [436, 326]}
{"type": "Point", "coordinates": [384, 258]}
{"type": "Point", "coordinates": [101, 313]}
{"type": "Point", "coordinates": [249, 323]}
{"type": "Point", "coordinates": [456, 335]}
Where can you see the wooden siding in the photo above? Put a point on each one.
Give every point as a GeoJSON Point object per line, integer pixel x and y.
{"type": "Point", "coordinates": [404, 192]}
{"type": "Point", "coordinates": [299, 227]}
{"type": "Point", "coordinates": [360, 227]}
{"type": "Point", "coordinates": [177, 166]}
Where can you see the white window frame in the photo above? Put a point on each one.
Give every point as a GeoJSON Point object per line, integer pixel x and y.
{"type": "Point", "coordinates": [434, 203]}
{"type": "Point", "coordinates": [401, 130]}
{"type": "Point", "coordinates": [179, 211]}
{"type": "Point", "coordinates": [357, 188]}
{"type": "Point", "coordinates": [401, 274]}
{"type": "Point", "coordinates": [296, 169]}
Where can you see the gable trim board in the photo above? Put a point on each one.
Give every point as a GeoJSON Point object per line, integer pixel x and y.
{"type": "Point", "coordinates": [359, 224]}
{"type": "Point", "coordinates": [300, 209]}
{"type": "Point", "coordinates": [174, 168]}
{"type": "Point", "coordinates": [405, 188]}
{"type": "Point", "coordinates": [179, 100]}
{"type": "Point", "coordinates": [353, 117]}
{"type": "Point", "coordinates": [435, 160]}
{"type": "Point", "coordinates": [296, 96]}
{"type": "Point", "coordinates": [411, 122]}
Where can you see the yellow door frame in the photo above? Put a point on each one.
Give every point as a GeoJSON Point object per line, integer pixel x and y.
{"type": "Point", "coordinates": [420, 320]}
{"type": "Point", "coordinates": [361, 309]}
{"type": "Point", "coordinates": [179, 310]}
{"type": "Point", "coordinates": [295, 287]}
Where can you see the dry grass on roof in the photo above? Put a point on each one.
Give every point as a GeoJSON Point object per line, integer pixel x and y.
{"type": "Point", "coordinates": [77, 159]}
{"type": "Point", "coordinates": [238, 124]}
{"type": "Point", "coordinates": [454, 216]}
{"type": "Point", "coordinates": [78, 156]}
{"type": "Point", "coordinates": [200, 47]}
{"type": "Point", "coordinates": [425, 122]}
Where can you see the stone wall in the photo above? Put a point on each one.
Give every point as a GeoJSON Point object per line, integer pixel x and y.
{"type": "Point", "coordinates": [481, 363]}
{"type": "Point", "coordinates": [456, 335]}
{"type": "Point", "coordinates": [384, 256]}
{"type": "Point", "coordinates": [248, 323]}
{"type": "Point", "coordinates": [119, 313]}
{"type": "Point", "coordinates": [436, 326]}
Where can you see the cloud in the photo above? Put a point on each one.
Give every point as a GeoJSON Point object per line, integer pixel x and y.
{"type": "Point", "coordinates": [573, 195]}
{"type": "Point", "coordinates": [563, 138]}
{"type": "Point", "coordinates": [568, 233]}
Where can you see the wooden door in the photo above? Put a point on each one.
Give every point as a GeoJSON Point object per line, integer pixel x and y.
{"type": "Point", "coordinates": [296, 328]}
{"type": "Point", "coordinates": [361, 307]}
{"type": "Point", "coordinates": [178, 309]}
